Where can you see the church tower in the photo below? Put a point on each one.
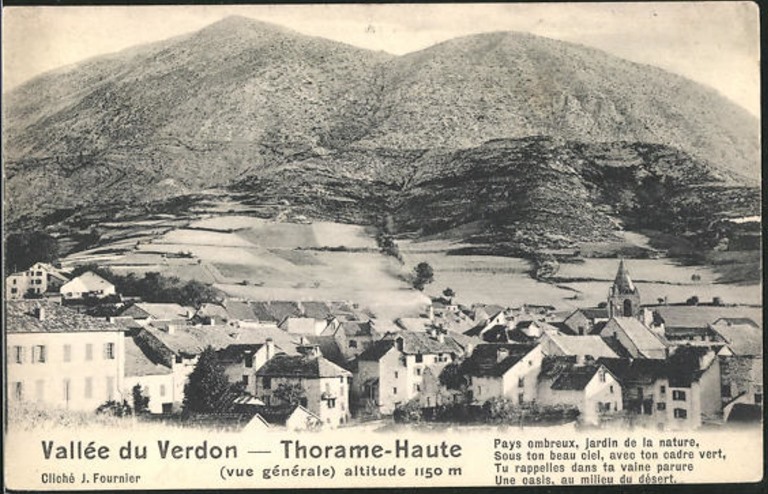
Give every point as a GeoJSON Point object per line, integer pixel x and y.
{"type": "Point", "coordinates": [623, 297]}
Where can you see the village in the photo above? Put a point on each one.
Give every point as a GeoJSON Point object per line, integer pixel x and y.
{"type": "Point", "coordinates": [325, 364]}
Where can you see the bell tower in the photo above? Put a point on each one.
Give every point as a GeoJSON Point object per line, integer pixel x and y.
{"type": "Point", "coordinates": [623, 297]}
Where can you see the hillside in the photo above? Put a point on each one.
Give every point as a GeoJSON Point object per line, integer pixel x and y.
{"type": "Point", "coordinates": [522, 135]}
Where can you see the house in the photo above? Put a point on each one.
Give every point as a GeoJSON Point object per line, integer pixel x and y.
{"type": "Point", "coordinates": [741, 368]}
{"type": "Point", "coordinates": [303, 325]}
{"type": "Point", "coordinates": [693, 385]}
{"type": "Point", "coordinates": [586, 321]}
{"type": "Point", "coordinates": [508, 370]}
{"type": "Point", "coordinates": [61, 358]}
{"type": "Point", "coordinates": [700, 316]}
{"type": "Point", "coordinates": [644, 390]}
{"type": "Point", "coordinates": [38, 279]}
{"type": "Point", "coordinates": [636, 338]}
{"type": "Point", "coordinates": [291, 417]}
{"type": "Point", "coordinates": [87, 285]}
{"type": "Point", "coordinates": [158, 314]}
{"type": "Point", "coordinates": [405, 365]}
{"type": "Point", "coordinates": [241, 361]}
{"type": "Point", "coordinates": [212, 314]}
{"type": "Point", "coordinates": [582, 347]}
{"type": "Point", "coordinates": [155, 379]}
{"type": "Point", "coordinates": [325, 385]}
{"type": "Point", "coordinates": [589, 386]}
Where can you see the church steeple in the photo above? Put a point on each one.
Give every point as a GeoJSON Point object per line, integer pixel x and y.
{"type": "Point", "coordinates": [623, 296]}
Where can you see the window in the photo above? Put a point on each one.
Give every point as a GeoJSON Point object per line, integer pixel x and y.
{"type": "Point", "coordinates": [332, 403]}
{"type": "Point", "coordinates": [162, 390]}
{"type": "Point", "coordinates": [479, 390]}
{"type": "Point", "coordinates": [678, 395]}
{"type": "Point", "coordinates": [419, 358]}
{"type": "Point", "coordinates": [303, 402]}
{"type": "Point", "coordinates": [89, 387]}
{"type": "Point", "coordinates": [521, 382]}
{"type": "Point", "coordinates": [725, 390]}
{"type": "Point", "coordinates": [602, 375]}
{"type": "Point", "coordinates": [38, 354]}
{"type": "Point", "coordinates": [520, 398]}
{"type": "Point", "coordinates": [661, 406]}
{"type": "Point", "coordinates": [416, 388]}
{"type": "Point", "coordinates": [18, 354]}
{"type": "Point", "coordinates": [14, 282]}
{"type": "Point", "coordinates": [110, 388]}
{"type": "Point", "coordinates": [39, 273]}
{"type": "Point", "coordinates": [610, 389]}
{"type": "Point", "coordinates": [418, 371]}
{"type": "Point", "coordinates": [662, 390]}
{"type": "Point", "coordinates": [396, 374]}
{"type": "Point", "coordinates": [681, 413]}
{"type": "Point", "coordinates": [245, 379]}
{"type": "Point", "coordinates": [352, 344]}
{"type": "Point", "coordinates": [67, 353]}
{"type": "Point", "coordinates": [39, 390]}
{"type": "Point", "coordinates": [267, 383]}
{"type": "Point", "coordinates": [89, 351]}
{"type": "Point", "coordinates": [394, 391]}
{"type": "Point", "coordinates": [18, 391]}
{"type": "Point", "coordinates": [14, 291]}
{"type": "Point", "coordinates": [109, 351]}
{"type": "Point", "coordinates": [67, 388]}
{"type": "Point", "coordinates": [249, 361]}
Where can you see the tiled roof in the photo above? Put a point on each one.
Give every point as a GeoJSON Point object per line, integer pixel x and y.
{"type": "Point", "coordinates": [592, 313]}
{"type": "Point", "coordinates": [357, 328]}
{"type": "Point", "coordinates": [639, 371]}
{"type": "Point", "coordinates": [377, 350]}
{"type": "Point", "coordinates": [260, 311]}
{"type": "Point", "coordinates": [280, 415]}
{"type": "Point", "coordinates": [162, 312]}
{"type": "Point", "coordinates": [138, 363]}
{"type": "Point", "coordinates": [683, 367]}
{"type": "Point", "coordinates": [736, 321]}
{"type": "Point", "coordinates": [192, 340]}
{"type": "Point", "coordinates": [300, 366]}
{"type": "Point", "coordinates": [280, 310]}
{"type": "Point", "coordinates": [213, 310]}
{"type": "Point", "coordinates": [742, 339]}
{"type": "Point", "coordinates": [575, 378]}
{"type": "Point", "coordinates": [21, 318]}
{"type": "Point", "coordinates": [592, 345]}
{"type": "Point", "coordinates": [316, 310]}
{"type": "Point", "coordinates": [494, 360]}
{"type": "Point", "coordinates": [423, 343]}
{"type": "Point", "coordinates": [234, 353]}
{"type": "Point", "coordinates": [240, 311]}
{"type": "Point", "coordinates": [642, 337]}
{"type": "Point", "coordinates": [330, 349]}
{"type": "Point", "coordinates": [90, 282]}
{"type": "Point", "coordinates": [693, 316]}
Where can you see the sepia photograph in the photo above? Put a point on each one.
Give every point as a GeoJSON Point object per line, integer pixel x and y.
{"type": "Point", "coordinates": [395, 245]}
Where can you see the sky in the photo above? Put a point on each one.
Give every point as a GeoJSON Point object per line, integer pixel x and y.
{"type": "Point", "coordinates": [715, 43]}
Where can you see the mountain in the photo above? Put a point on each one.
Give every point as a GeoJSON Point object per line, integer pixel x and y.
{"type": "Point", "coordinates": [506, 122]}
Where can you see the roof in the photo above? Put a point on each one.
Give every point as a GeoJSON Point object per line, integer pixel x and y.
{"type": "Point", "coordinates": [161, 312]}
{"type": "Point", "coordinates": [90, 282]}
{"type": "Point", "coordinates": [260, 311]}
{"type": "Point", "coordinates": [423, 343]}
{"type": "Point", "coordinates": [640, 335]}
{"type": "Point", "coordinates": [357, 328]}
{"type": "Point", "coordinates": [592, 345]}
{"type": "Point", "coordinates": [742, 339]}
{"type": "Point", "coordinates": [684, 366]}
{"type": "Point", "coordinates": [593, 313]}
{"type": "Point", "coordinates": [234, 353]}
{"type": "Point", "coordinates": [414, 324]}
{"type": "Point", "coordinates": [21, 317]}
{"type": "Point", "coordinates": [329, 348]}
{"type": "Point", "coordinates": [317, 310]}
{"type": "Point", "coordinates": [735, 321]}
{"type": "Point", "coordinates": [213, 310]}
{"type": "Point", "coordinates": [494, 360]}
{"type": "Point", "coordinates": [623, 283]}
{"type": "Point", "coordinates": [697, 316]}
{"type": "Point", "coordinates": [280, 310]}
{"type": "Point", "coordinates": [299, 324]}
{"type": "Point", "coordinates": [138, 363]}
{"type": "Point", "coordinates": [566, 374]}
{"type": "Point", "coordinates": [746, 413]}
{"type": "Point", "coordinates": [377, 350]}
{"type": "Point", "coordinates": [192, 340]}
{"type": "Point", "coordinates": [640, 371]}
{"type": "Point", "coordinates": [280, 415]}
{"type": "Point", "coordinates": [282, 365]}
{"type": "Point", "coordinates": [240, 311]}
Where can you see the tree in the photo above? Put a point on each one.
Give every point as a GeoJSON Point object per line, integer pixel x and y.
{"type": "Point", "coordinates": [207, 384]}
{"type": "Point", "coordinates": [423, 275]}
{"type": "Point", "coordinates": [140, 402]}
{"type": "Point", "coordinates": [693, 300]}
{"type": "Point", "coordinates": [22, 250]}
{"type": "Point", "coordinates": [289, 393]}
{"type": "Point", "coordinates": [449, 293]}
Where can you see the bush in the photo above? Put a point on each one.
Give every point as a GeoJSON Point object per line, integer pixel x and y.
{"type": "Point", "coordinates": [115, 408]}
{"type": "Point", "coordinates": [410, 413]}
{"type": "Point", "coordinates": [423, 275]}
{"type": "Point", "coordinates": [140, 402]}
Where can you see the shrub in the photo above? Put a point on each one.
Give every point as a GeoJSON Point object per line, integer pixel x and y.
{"type": "Point", "coordinates": [410, 413]}
{"type": "Point", "coordinates": [115, 408]}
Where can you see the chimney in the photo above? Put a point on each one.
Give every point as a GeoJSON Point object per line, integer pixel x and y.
{"type": "Point", "coordinates": [309, 351]}
{"type": "Point", "coordinates": [431, 313]}
{"type": "Point", "coordinates": [170, 328]}
{"type": "Point", "coordinates": [441, 337]}
{"type": "Point", "coordinates": [40, 313]}
{"type": "Point", "coordinates": [501, 354]}
{"type": "Point", "coordinates": [270, 348]}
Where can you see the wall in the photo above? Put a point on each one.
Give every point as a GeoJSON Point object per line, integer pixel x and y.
{"type": "Point", "coordinates": [159, 388]}
{"type": "Point", "coordinates": [331, 412]}
{"type": "Point", "coordinates": [45, 382]}
{"type": "Point", "coordinates": [598, 391]}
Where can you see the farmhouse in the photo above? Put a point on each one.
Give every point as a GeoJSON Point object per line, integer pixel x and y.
{"type": "Point", "coordinates": [87, 285]}
{"type": "Point", "coordinates": [61, 358]}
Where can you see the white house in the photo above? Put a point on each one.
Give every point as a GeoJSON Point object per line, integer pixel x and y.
{"type": "Point", "coordinates": [590, 387]}
{"type": "Point", "coordinates": [60, 358]}
{"type": "Point", "coordinates": [38, 279]}
{"type": "Point", "coordinates": [155, 380]}
{"type": "Point", "coordinates": [87, 285]}
{"type": "Point", "coordinates": [508, 370]}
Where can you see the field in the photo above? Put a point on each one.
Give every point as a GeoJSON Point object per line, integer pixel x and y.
{"type": "Point", "coordinates": [505, 280]}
